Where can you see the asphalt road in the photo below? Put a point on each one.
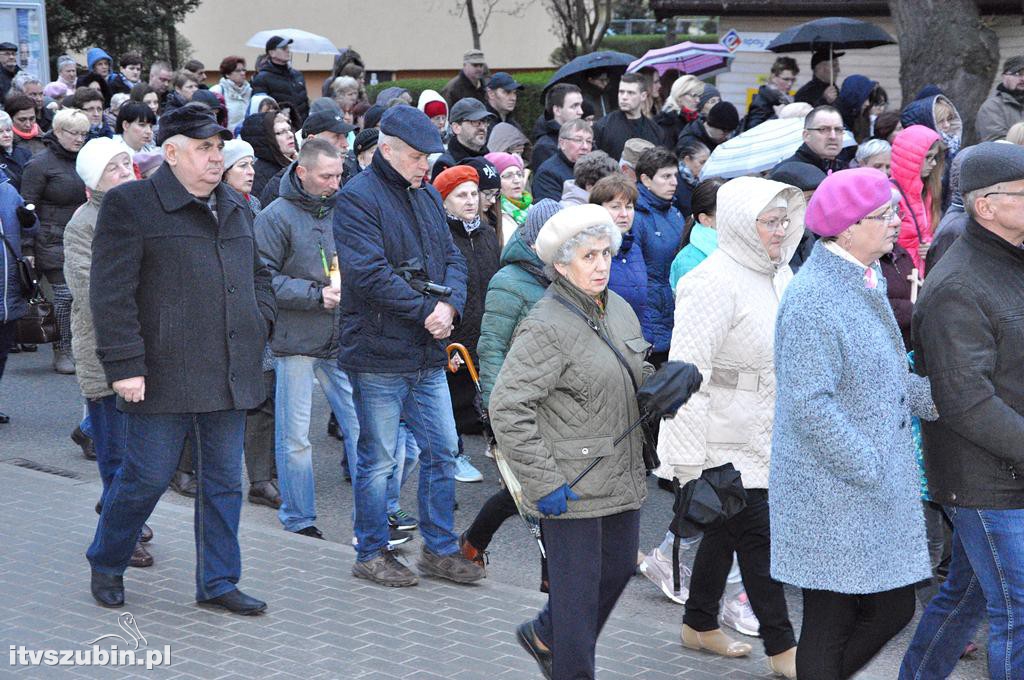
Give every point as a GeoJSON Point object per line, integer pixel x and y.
{"type": "Point", "coordinates": [45, 407]}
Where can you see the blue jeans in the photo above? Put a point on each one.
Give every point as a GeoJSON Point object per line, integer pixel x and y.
{"type": "Point", "coordinates": [108, 429]}
{"type": "Point", "coordinates": [986, 575]}
{"type": "Point", "coordinates": [408, 453]}
{"type": "Point", "coordinates": [154, 444]}
{"type": "Point", "coordinates": [293, 403]}
{"type": "Point", "coordinates": [422, 397]}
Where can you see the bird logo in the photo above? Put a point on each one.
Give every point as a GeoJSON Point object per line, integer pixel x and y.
{"type": "Point", "coordinates": [127, 623]}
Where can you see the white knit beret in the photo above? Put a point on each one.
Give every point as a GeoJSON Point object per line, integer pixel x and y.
{"type": "Point", "coordinates": [94, 156]}
{"type": "Point", "coordinates": [565, 224]}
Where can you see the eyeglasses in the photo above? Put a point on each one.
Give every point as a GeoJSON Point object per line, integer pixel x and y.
{"type": "Point", "coordinates": [514, 174]}
{"type": "Point", "coordinates": [774, 225]}
{"type": "Point", "coordinates": [886, 217]}
{"type": "Point", "coordinates": [583, 141]}
{"type": "Point", "coordinates": [1004, 193]}
{"type": "Point", "coordinates": [281, 133]}
{"type": "Point", "coordinates": [490, 194]}
{"type": "Point", "coordinates": [76, 135]}
{"type": "Point", "coordinates": [838, 131]}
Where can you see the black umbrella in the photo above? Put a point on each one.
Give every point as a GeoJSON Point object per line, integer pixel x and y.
{"type": "Point", "coordinates": [837, 33]}
{"type": "Point", "coordinates": [660, 397]}
{"type": "Point", "coordinates": [614, 63]}
{"type": "Point", "coordinates": [703, 503]}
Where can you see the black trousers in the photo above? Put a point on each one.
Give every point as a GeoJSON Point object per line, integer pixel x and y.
{"type": "Point", "coordinates": [748, 534]}
{"type": "Point", "coordinates": [492, 515]}
{"type": "Point", "coordinates": [259, 435]}
{"type": "Point", "coordinates": [842, 632]}
{"type": "Point", "coordinates": [590, 561]}
{"type": "Point", "coordinates": [6, 339]}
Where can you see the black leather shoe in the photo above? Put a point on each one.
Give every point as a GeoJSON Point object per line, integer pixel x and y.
{"type": "Point", "coordinates": [4, 418]}
{"type": "Point", "coordinates": [85, 442]}
{"type": "Point", "coordinates": [140, 557]}
{"type": "Point", "coordinates": [312, 532]}
{"type": "Point", "coordinates": [184, 483]}
{"type": "Point", "coordinates": [265, 493]}
{"type": "Point", "coordinates": [236, 602]}
{"type": "Point", "coordinates": [26, 347]}
{"type": "Point", "coordinates": [527, 638]}
{"type": "Point", "coordinates": [107, 589]}
{"type": "Point", "coordinates": [146, 535]}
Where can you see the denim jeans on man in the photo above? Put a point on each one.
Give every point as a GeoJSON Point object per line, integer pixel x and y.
{"type": "Point", "coordinates": [986, 574]}
{"type": "Point", "coordinates": [293, 452]}
{"type": "Point", "coordinates": [422, 398]}
{"type": "Point", "coordinates": [407, 456]}
{"type": "Point", "coordinates": [154, 444]}
{"type": "Point", "coordinates": [109, 437]}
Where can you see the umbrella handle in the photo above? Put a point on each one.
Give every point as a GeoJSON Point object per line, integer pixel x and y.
{"type": "Point", "coordinates": [637, 423]}
{"type": "Point", "coordinates": [466, 359]}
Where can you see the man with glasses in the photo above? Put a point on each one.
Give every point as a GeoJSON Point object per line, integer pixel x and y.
{"type": "Point", "coordinates": [774, 94]}
{"type": "Point", "coordinates": [1005, 106]}
{"type": "Point", "coordinates": [279, 80]}
{"type": "Point", "coordinates": [968, 330]}
{"type": "Point", "coordinates": [823, 87]}
{"type": "Point", "coordinates": [469, 120]}
{"type": "Point", "coordinates": [575, 139]}
{"type": "Point", "coordinates": [823, 140]}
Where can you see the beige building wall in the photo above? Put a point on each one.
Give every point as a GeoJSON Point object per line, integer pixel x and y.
{"type": "Point", "coordinates": [881, 63]}
{"type": "Point", "coordinates": [391, 35]}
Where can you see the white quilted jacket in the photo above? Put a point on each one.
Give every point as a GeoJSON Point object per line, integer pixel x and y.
{"type": "Point", "coordinates": [725, 325]}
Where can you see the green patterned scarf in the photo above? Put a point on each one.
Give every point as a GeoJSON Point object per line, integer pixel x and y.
{"type": "Point", "coordinates": [517, 209]}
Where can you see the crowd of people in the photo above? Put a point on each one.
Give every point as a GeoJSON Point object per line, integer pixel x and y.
{"type": "Point", "coordinates": [854, 315]}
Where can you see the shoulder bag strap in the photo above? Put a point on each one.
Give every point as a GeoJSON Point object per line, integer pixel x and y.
{"type": "Point", "coordinates": [593, 326]}
{"type": "Point", "coordinates": [920, 236]}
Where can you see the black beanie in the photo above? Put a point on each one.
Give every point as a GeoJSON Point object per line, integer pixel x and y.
{"type": "Point", "coordinates": [724, 116]}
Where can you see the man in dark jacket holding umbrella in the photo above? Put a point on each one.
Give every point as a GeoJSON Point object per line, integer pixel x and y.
{"type": "Point", "coordinates": [392, 332]}
{"type": "Point", "coordinates": [282, 82]}
{"type": "Point", "coordinates": [822, 88]}
{"type": "Point", "coordinates": [968, 332]}
{"type": "Point", "coordinates": [183, 307]}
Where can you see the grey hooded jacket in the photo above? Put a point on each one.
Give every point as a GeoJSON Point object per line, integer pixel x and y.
{"type": "Point", "coordinates": [295, 239]}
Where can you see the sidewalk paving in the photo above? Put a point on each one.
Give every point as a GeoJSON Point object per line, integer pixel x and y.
{"type": "Point", "coordinates": [321, 622]}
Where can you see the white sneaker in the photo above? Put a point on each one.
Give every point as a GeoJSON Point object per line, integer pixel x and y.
{"type": "Point", "coordinates": [739, 615]}
{"type": "Point", "coordinates": [658, 569]}
{"type": "Point", "coordinates": [465, 472]}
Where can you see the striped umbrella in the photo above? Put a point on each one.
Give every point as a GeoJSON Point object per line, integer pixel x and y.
{"type": "Point", "coordinates": [701, 60]}
{"type": "Point", "coordinates": [759, 149]}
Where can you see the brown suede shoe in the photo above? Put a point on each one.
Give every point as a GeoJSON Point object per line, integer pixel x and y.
{"type": "Point", "coordinates": [140, 557]}
{"type": "Point", "coordinates": [454, 567]}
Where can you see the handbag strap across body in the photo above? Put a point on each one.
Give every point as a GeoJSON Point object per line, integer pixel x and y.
{"type": "Point", "coordinates": [593, 326]}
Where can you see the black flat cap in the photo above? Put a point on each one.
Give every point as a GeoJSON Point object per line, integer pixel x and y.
{"type": "Point", "coordinates": [191, 120]}
{"type": "Point", "coordinates": [469, 108]}
{"type": "Point", "coordinates": [326, 121]}
{"type": "Point", "coordinates": [991, 163]}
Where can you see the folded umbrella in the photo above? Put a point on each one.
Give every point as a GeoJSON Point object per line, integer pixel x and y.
{"type": "Point", "coordinates": [701, 60]}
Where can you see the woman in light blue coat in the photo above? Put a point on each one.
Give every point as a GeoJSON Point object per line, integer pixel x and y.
{"type": "Point", "coordinates": [846, 517]}
{"type": "Point", "coordinates": [700, 238]}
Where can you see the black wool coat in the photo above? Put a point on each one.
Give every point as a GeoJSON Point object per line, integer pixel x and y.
{"type": "Point", "coordinates": [180, 296]}
{"type": "Point", "coordinates": [613, 131]}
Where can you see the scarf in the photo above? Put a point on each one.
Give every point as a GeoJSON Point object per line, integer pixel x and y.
{"type": "Point", "coordinates": [687, 175]}
{"type": "Point", "coordinates": [28, 135]}
{"type": "Point", "coordinates": [470, 226]}
{"type": "Point", "coordinates": [688, 115]}
{"type": "Point", "coordinates": [516, 209]}
{"type": "Point", "coordinates": [239, 93]}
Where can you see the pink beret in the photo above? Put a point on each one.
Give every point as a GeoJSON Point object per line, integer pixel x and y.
{"type": "Point", "coordinates": [845, 198]}
{"type": "Point", "coordinates": [503, 161]}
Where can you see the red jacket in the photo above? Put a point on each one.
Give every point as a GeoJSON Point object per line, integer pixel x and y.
{"type": "Point", "coordinates": [908, 151]}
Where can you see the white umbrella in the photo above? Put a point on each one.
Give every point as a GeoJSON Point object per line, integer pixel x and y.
{"type": "Point", "coordinates": [759, 149]}
{"type": "Point", "coordinates": [302, 41]}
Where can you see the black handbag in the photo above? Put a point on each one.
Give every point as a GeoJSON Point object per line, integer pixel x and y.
{"type": "Point", "coordinates": [26, 272]}
{"type": "Point", "coordinates": [39, 325]}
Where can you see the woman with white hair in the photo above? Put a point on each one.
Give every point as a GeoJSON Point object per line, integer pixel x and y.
{"type": "Point", "coordinates": [681, 108]}
{"type": "Point", "coordinates": [875, 153]}
{"type": "Point", "coordinates": [563, 395]}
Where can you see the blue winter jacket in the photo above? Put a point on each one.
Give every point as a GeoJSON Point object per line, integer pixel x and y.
{"type": "Point", "coordinates": [12, 304]}
{"type": "Point", "coordinates": [658, 228]}
{"type": "Point", "coordinates": [629, 274]}
{"type": "Point", "coordinates": [703, 242]}
{"type": "Point", "coordinates": [550, 177]}
{"type": "Point", "coordinates": [381, 222]}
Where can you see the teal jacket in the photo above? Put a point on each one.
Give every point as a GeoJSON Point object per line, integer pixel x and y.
{"type": "Point", "coordinates": [511, 294]}
{"type": "Point", "coordinates": [703, 242]}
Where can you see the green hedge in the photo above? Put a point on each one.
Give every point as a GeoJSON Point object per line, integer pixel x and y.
{"type": "Point", "coordinates": [639, 43]}
{"type": "Point", "coordinates": [528, 107]}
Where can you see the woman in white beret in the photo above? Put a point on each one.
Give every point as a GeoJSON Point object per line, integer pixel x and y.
{"type": "Point", "coordinates": [560, 401]}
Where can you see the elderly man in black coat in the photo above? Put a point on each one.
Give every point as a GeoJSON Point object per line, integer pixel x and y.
{"type": "Point", "coordinates": [968, 332]}
{"type": "Point", "coordinates": [183, 307]}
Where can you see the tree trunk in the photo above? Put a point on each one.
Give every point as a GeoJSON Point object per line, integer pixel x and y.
{"type": "Point", "coordinates": [945, 42]}
{"type": "Point", "coordinates": [474, 27]}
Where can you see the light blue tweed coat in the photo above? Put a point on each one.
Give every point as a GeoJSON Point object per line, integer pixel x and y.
{"type": "Point", "coordinates": [845, 488]}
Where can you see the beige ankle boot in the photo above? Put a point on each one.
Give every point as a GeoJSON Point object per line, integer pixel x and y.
{"type": "Point", "coordinates": [714, 641]}
{"type": "Point", "coordinates": [784, 664]}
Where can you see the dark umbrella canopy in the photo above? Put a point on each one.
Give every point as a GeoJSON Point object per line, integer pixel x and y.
{"type": "Point", "coordinates": [710, 499]}
{"type": "Point", "coordinates": [606, 60]}
{"type": "Point", "coordinates": [841, 33]}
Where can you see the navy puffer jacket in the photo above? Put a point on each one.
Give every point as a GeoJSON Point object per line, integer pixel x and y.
{"type": "Point", "coordinates": [380, 222]}
{"type": "Point", "coordinates": [658, 230]}
{"type": "Point", "coordinates": [12, 304]}
{"type": "Point", "coordinates": [629, 274]}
